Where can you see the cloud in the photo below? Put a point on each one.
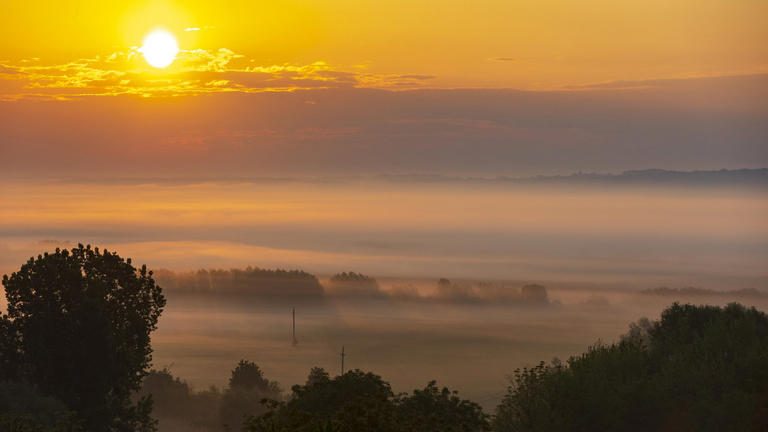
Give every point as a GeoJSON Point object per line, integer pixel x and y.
{"type": "Point", "coordinates": [248, 121]}
{"type": "Point", "coordinates": [758, 79]}
{"type": "Point", "coordinates": [194, 72]}
{"type": "Point", "coordinates": [8, 70]}
{"type": "Point", "coordinates": [197, 29]}
{"type": "Point", "coordinates": [393, 81]}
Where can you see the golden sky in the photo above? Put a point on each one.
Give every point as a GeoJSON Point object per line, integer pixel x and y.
{"type": "Point", "coordinates": [299, 87]}
{"type": "Point", "coordinates": [304, 89]}
{"type": "Point", "coordinates": [89, 47]}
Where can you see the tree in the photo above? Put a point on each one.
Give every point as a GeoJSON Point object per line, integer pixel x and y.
{"type": "Point", "coordinates": [177, 406]}
{"type": "Point", "coordinates": [24, 409]}
{"type": "Point", "coordinates": [79, 324]}
{"type": "Point", "coordinates": [170, 395]}
{"type": "Point", "coordinates": [356, 401]}
{"type": "Point", "coordinates": [435, 409]}
{"type": "Point", "coordinates": [699, 368]}
{"type": "Point", "coordinates": [248, 376]}
{"type": "Point", "coordinates": [362, 402]}
{"type": "Point", "coordinates": [246, 396]}
{"type": "Point", "coordinates": [9, 349]}
{"type": "Point", "coordinates": [317, 375]}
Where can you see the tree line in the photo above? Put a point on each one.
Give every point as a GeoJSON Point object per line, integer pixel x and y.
{"type": "Point", "coordinates": [75, 355]}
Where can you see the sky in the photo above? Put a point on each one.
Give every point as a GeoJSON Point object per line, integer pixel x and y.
{"type": "Point", "coordinates": [97, 145]}
{"type": "Point", "coordinates": [525, 44]}
{"type": "Point", "coordinates": [301, 88]}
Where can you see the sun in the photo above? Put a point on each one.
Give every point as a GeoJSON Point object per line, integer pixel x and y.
{"type": "Point", "coordinates": [159, 49]}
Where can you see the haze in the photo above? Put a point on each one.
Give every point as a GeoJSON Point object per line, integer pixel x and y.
{"type": "Point", "coordinates": [509, 181]}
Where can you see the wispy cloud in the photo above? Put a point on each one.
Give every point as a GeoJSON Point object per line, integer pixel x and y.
{"type": "Point", "coordinates": [758, 78]}
{"type": "Point", "coordinates": [393, 81]}
{"type": "Point", "coordinates": [194, 72]}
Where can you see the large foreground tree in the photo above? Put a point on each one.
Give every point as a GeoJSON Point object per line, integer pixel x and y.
{"type": "Point", "coordinates": [78, 329]}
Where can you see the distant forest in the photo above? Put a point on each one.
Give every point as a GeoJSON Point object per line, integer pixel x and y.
{"type": "Point", "coordinates": [749, 177]}
{"type": "Point", "coordinates": [755, 177]}
{"type": "Point", "coordinates": [256, 285]}
{"type": "Point", "coordinates": [75, 356]}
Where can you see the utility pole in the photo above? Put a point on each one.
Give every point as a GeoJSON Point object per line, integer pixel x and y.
{"type": "Point", "coordinates": [342, 359]}
{"type": "Point", "coordinates": [295, 341]}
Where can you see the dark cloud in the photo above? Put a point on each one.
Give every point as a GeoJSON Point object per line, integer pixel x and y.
{"type": "Point", "coordinates": [678, 124]}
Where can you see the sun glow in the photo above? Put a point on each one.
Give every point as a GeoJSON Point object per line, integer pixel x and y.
{"type": "Point", "coordinates": [160, 49]}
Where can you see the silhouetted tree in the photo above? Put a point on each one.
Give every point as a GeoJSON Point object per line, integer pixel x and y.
{"type": "Point", "coordinates": [250, 285]}
{"type": "Point", "coordinates": [700, 368]}
{"type": "Point", "coordinates": [435, 409]}
{"type": "Point", "coordinates": [248, 390]}
{"type": "Point", "coordinates": [9, 350]}
{"type": "Point", "coordinates": [79, 325]}
{"type": "Point", "coordinates": [177, 407]}
{"type": "Point", "coordinates": [356, 401]}
{"type": "Point", "coordinates": [354, 285]}
{"type": "Point", "coordinates": [317, 375]}
{"type": "Point", "coordinates": [360, 402]}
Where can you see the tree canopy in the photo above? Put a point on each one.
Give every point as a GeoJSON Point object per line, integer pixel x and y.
{"type": "Point", "coordinates": [439, 409]}
{"type": "Point", "coordinates": [78, 329]}
{"type": "Point", "coordinates": [701, 368]}
{"type": "Point", "coordinates": [248, 390]}
{"type": "Point", "coordinates": [362, 401]}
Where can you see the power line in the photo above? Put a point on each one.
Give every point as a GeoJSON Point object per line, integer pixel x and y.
{"type": "Point", "coordinates": [295, 341]}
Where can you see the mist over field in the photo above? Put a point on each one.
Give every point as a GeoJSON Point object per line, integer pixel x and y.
{"type": "Point", "coordinates": [637, 236]}
{"type": "Point", "coordinates": [596, 247]}
{"type": "Point", "coordinates": [469, 336]}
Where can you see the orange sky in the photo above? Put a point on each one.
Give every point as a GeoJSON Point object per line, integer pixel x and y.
{"type": "Point", "coordinates": [306, 87]}
{"type": "Point", "coordinates": [297, 89]}
{"type": "Point", "coordinates": [88, 47]}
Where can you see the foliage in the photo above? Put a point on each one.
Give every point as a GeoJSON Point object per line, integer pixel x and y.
{"type": "Point", "coordinates": [9, 349]}
{"type": "Point", "coordinates": [78, 327]}
{"type": "Point", "coordinates": [248, 389]}
{"type": "Point", "coordinates": [699, 368]}
{"type": "Point", "coordinates": [435, 409]}
{"type": "Point", "coordinates": [317, 375]}
{"type": "Point", "coordinates": [359, 402]}
{"type": "Point", "coordinates": [24, 409]}
{"type": "Point", "coordinates": [248, 376]}
{"type": "Point", "coordinates": [30, 423]}
{"type": "Point", "coordinates": [252, 285]}
{"type": "Point", "coordinates": [177, 406]}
